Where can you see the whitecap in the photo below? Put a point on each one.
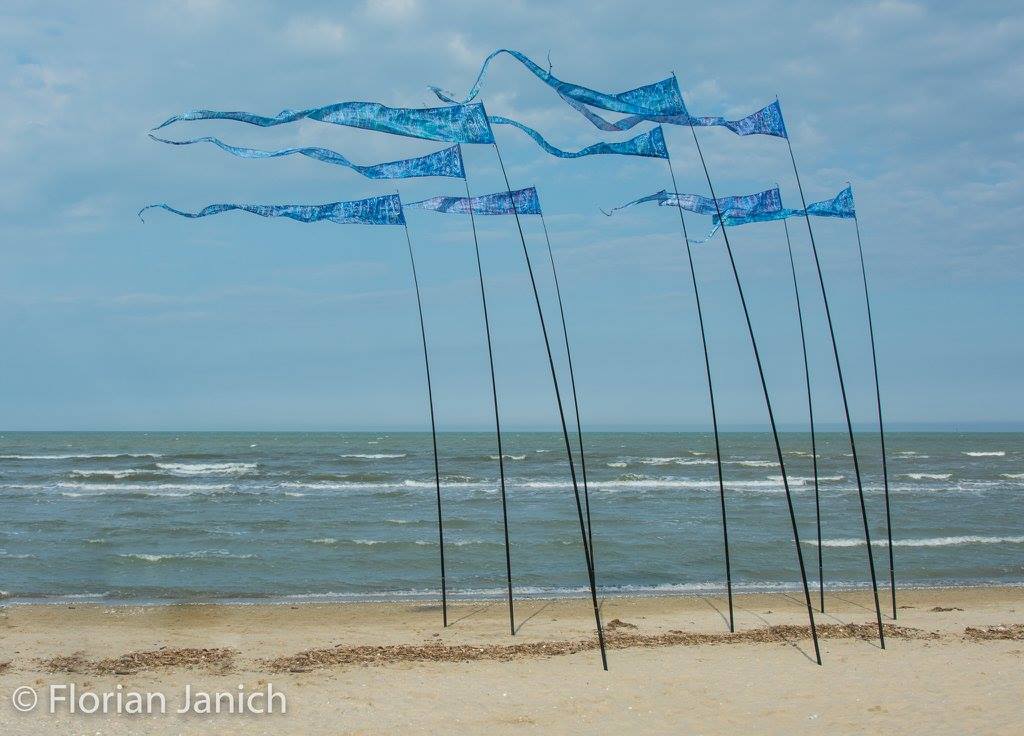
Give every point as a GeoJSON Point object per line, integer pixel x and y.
{"type": "Point", "coordinates": [207, 468]}
{"type": "Point", "coordinates": [928, 476]}
{"type": "Point", "coordinates": [374, 456]}
{"type": "Point", "coordinates": [979, 453]}
{"type": "Point", "coordinates": [924, 542]}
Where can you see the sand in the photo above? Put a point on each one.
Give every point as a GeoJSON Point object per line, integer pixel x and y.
{"type": "Point", "coordinates": [954, 664]}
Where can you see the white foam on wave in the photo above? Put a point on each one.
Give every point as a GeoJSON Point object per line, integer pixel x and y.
{"type": "Point", "coordinates": [202, 554]}
{"type": "Point", "coordinates": [113, 473]}
{"type": "Point", "coordinates": [928, 476]}
{"type": "Point", "coordinates": [756, 463]}
{"type": "Point", "coordinates": [374, 456]}
{"type": "Point", "coordinates": [617, 465]}
{"type": "Point", "coordinates": [157, 489]}
{"type": "Point", "coordinates": [1013, 476]}
{"type": "Point", "coordinates": [509, 457]}
{"type": "Point", "coordinates": [323, 540]}
{"type": "Point", "coordinates": [925, 542]}
{"type": "Point", "coordinates": [189, 469]}
{"type": "Point", "coordinates": [992, 453]}
{"type": "Point", "coordinates": [676, 461]}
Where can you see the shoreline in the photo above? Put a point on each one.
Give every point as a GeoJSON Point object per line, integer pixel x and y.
{"type": "Point", "coordinates": [698, 590]}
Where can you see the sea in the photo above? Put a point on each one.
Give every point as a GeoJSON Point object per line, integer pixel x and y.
{"type": "Point", "coordinates": [131, 518]}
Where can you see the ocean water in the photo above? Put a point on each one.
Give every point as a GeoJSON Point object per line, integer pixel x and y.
{"type": "Point", "coordinates": [161, 517]}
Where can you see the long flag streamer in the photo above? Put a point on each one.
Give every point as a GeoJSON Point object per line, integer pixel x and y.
{"type": "Point", "coordinates": [660, 102]}
{"type": "Point", "coordinates": [840, 206]}
{"type": "Point", "coordinates": [658, 98]}
{"type": "Point", "coordinates": [741, 205]}
{"type": "Point", "coordinates": [384, 210]}
{"type": "Point", "coordinates": [650, 144]}
{"type": "Point", "coordinates": [454, 124]}
{"type": "Point", "coordinates": [446, 162]}
{"type": "Point", "coordinates": [521, 201]}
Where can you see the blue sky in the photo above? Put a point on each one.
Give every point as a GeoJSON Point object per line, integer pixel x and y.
{"type": "Point", "coordinates": [235, 322]}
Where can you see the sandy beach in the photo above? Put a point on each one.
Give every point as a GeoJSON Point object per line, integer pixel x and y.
{"type": "Point", "coordinates": [953, 664]}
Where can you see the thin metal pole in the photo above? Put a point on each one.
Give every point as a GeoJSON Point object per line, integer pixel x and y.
{"type": "Point", "coordinates": [810, 414]}
{"type": "Point", "coordinates": [433, 430]}
{"type": "Point", "coordinates": [846, 403]}
{"type": "Point", "coordinates": [561, 416]}
{"type": "Point", "coordinates": [767, 402]}
{"type": "Point", "coordinates": [575, 398]}
{"type": "Point", "coordinates": [711, 397]}
{"type": "Point", "coordinates": [881, 426]}
{"type": "Point", "coordinates": [497, 419]}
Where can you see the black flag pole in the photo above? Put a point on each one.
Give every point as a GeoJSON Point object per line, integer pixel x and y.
{"type": "Point", "coordinates": [767, 401]}
{"type": "Point", "coordinates": [810, 414]}
{"type": "Point", "coordinates": [846, 403]}
{"type": "Point", "coordinates": [711, 397]}
{"type": "Point", "coordinates": [433, 429]}
{"type": "Point", "coordinates": [575, 397]}
{"type": "Point", "coordinates": [561, 414]}
{"type": "Point", "coordinates": [497, 417]}
{"type": "Point", "coordinates": [881, 426]}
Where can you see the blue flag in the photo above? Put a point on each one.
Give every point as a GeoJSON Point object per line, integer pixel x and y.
{"type": "Point", "coordinates": [840, 206]}
{"type": "Point", "coordinates": [651, 143]}
{"type": "Point", "coordinates": [742, 205]}
{"type": "Point", "coordinates": [661, 102]}
{"type": "Point", "coordinates": [384, 210]}
{"type": "Point", "coordinates": [454, 124]}
{"type": "Point", "coordinates": [522, 202]}
{"type": "Point", "coordinates": [766, 121]}
{"type": "Point", "coordinates": [659, 98]}
{"type": "Point", "coordinates": [446, 162]}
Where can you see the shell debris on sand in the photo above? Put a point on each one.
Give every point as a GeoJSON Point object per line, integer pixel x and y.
{"type": "Point", "coordinates": [1001, 632]}
{"type": "Point", "coordinates": [217, 659]}
{"type": "Point", "coordinates": [380, 655]}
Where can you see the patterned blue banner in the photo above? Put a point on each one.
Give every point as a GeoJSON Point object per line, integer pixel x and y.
{"type": "Point", "coordinates": [455, 124]}
{"type": "Point", "coordinates": [525, 202]}
{"type": "Point", "coordinates": [740, 205]}
{"type": "Point", "coordinates": [766, 121]}
{"type": "Point", "coordinates": [651, 143]}
{"type": "Point", "coordinates": [384, 210]}
{"type": "Point", "coordinates": [659, 98]}
{"type": "Point", "coordinates": [446, 162]}
{"type": "Point", "coordinates": [840, 206]}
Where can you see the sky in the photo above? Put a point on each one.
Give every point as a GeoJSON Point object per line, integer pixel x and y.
{"type": "Point", "coordinates": [236, 322]}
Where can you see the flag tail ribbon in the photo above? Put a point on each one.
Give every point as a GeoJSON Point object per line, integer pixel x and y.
{"type": "Point", "coordinates": [453, 124]}
{"type": "Point", "coordinates": [657, 98]}
{"type": "Point", "coordinates": [651, 143]}
{"type": "Point", "coordinates": [446, 162]}
{"type": "Point", "coordinates": [522, 202]}
{"type": "Point", "coordinates": [384, 210]}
